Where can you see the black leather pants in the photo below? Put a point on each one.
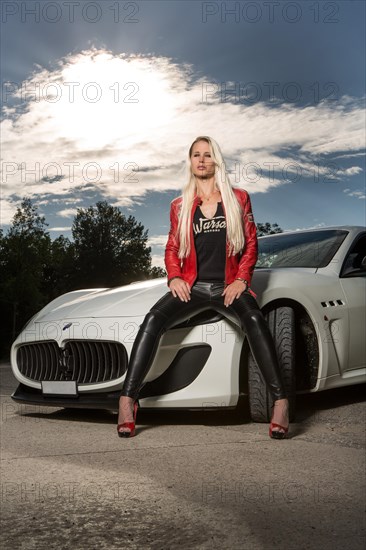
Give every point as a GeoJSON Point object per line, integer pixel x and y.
{"type": "Point", "coordinates": [170, 311]}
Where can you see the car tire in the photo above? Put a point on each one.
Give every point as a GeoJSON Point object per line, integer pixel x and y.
{"type": "Point", "coordinates": [281, 322]}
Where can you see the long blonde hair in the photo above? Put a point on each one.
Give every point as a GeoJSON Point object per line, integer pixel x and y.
{"type": "Point", "coordinates": [234, 226]}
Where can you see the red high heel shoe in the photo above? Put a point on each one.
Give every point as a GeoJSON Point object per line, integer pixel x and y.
{"type": "Point", "coordinates": [277, 434]}
{"type": "Point", "coordinates": [129, 425]}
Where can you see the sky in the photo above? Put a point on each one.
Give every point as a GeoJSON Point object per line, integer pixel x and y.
{"type": "Point", "coordinates": [101, 101]}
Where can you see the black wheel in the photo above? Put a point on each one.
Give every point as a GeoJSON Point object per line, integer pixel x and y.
{"type": "Point", "coordinates": [281, 322]}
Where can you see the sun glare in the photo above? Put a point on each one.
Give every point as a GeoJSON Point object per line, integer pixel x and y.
{"type": "Point", "coordinates": [101, 100]}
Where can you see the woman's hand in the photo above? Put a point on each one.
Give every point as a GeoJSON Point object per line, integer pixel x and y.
{"type": "Point", "coordinates": [232, 291]}
{"type": "Point", "coordinates": [180, 289]}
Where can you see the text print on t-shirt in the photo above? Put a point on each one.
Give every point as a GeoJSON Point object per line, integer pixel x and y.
{"type": "Point", "coordinates": [206, 225]}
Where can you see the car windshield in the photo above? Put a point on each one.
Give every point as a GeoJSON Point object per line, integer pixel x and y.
{"type": "Point", "coordinates": [310, 249]}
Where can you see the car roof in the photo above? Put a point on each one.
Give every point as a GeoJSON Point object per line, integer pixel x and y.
{"type": "Point", "coordinates": [351, 228]}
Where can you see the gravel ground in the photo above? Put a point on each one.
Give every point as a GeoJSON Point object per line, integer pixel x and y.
{"type": "Point", "coordinates": [187, 480]}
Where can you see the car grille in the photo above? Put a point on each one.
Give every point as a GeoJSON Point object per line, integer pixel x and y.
{"type": "Point", "coordinates": [85, 361]}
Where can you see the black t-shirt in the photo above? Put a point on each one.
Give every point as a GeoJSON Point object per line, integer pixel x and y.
{"type": "Point", "coordinates": [210, 244]}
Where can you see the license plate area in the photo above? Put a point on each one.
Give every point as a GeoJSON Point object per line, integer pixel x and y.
{"type": "Point", "coordinates": [65, 388]}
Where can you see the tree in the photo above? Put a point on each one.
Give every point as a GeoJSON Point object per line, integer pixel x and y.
{"type": "Point", "coordinates": [156, 272]}
{"type": "Point", "coordinates": [24, 257]}
{"type": "Point", "coordinates": [268, 229]}
{"type": "Point", "coordinates": [5, 307]}
{"type": "Point", "coordinates": [110, 248]}
{"type": "Point", "coordinates": [60, 272]}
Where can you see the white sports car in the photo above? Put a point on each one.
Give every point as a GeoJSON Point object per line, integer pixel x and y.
{"type": "Point", "coordinates": [311, 285]}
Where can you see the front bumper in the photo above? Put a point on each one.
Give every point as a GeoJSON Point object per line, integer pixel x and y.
{"type": "Point", "coordinates": [33, 396]}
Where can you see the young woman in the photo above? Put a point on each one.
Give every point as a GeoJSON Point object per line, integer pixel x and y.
{"type": "Point", "coordinates": [210, 257]}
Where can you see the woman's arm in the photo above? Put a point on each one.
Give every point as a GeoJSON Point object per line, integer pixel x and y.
{"type": "Point", "coordinates": [172, 261]}
{"type": "Point", "coordinates": [178, 287]}
{"type": "Point", "coordinates": [250, 253]}
{"type": "Point", "coordinates": [249, 256]}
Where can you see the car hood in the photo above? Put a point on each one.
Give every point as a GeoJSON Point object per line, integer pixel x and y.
{"type": "Point", "coordinates": [136, 299]}
{"type": "Point", "coordinates": [126, 301]}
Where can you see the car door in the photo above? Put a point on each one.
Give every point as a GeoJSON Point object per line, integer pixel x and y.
{"type": "Point", "coordinates": [353, 282]}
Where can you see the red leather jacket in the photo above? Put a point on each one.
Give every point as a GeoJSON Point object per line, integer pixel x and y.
{"type": "Point", "coordinates": [240, 265]}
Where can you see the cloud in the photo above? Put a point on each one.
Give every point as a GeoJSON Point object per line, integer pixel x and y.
{"type": "Point", "coordinates": [358, 194]}
{"type": "Point", "coordinates": [59, 229]}
{"type": "Point", "coordinates": [67, 213]}
{"type": "Point", "coordinates": [157, 261]}
{"type": "Point", "coordinates": [158, 240]}
{"type": "Point", "coordinates": [121, 125]}
{"type": "Point", "coordinates": [316, 226]}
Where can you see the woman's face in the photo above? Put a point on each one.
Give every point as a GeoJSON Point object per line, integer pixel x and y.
{"type": "Point", "coordinates": [202, 164]}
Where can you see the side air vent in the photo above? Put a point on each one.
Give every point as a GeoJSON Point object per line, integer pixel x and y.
{"type": "Point", "coordinates": [333, 303]}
